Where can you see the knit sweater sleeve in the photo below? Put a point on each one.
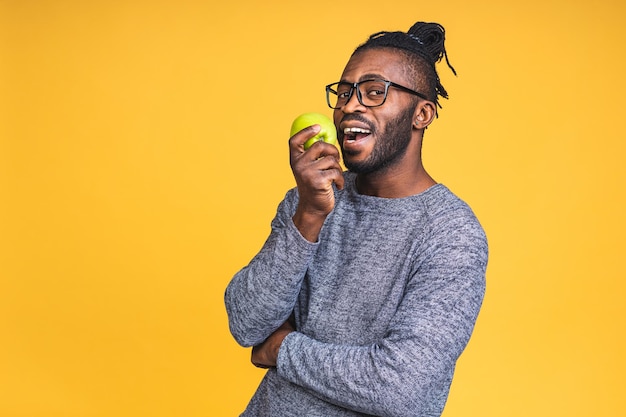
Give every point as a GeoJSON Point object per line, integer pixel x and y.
{"type": "Point", "coordinates": [405, 372]}
{"type": "Point", "coordinates": [261, 296]}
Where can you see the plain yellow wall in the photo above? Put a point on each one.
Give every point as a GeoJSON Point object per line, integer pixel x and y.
{"type": "Point", "coordinates": [143, 153]}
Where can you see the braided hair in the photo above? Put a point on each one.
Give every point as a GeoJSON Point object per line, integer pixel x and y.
{"type": "Point", "coordinates": [424, 46]}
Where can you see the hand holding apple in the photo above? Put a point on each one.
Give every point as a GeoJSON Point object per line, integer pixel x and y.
{"type": "Point", "coordinates": [315, 172]}
{"type": "Point", "coordinates": [327, 133]}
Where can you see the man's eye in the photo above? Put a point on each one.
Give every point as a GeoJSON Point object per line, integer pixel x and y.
{"type": "Point", "coordinates": [375, 92]}
{"type": "Point", "coordinates": [343, 94]}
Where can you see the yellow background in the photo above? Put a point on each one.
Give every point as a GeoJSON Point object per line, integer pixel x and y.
{"type": "Point", "coordinates": [143, 153]}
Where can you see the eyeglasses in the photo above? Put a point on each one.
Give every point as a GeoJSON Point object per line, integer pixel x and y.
{"type": "Point", "coordinates": [370, 93]}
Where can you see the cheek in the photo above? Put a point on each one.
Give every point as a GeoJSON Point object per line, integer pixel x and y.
{"type": "Point", "coordinates": [337, 115]}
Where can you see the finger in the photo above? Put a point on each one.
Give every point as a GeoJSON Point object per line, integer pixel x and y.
{"type": "Point", "coordinates": [323, 170]}
{"type": "Point", "coordinates": [296, 142]}
{"type": "Point", "coordinates": [334, 175]}
{"type": "Point", "coordinates": [256, 357]}
{"type": "Point", "coordinates": [260, 365]}
{"type": "Point", "coordinates": [325, 162]}
{"type": "Point", "coordinates": [339, 180]}
{"type": "Point", "coordinates": [320, 155]}
{"type": "Point", "coordinates": [321, 149]}
{"type": "Point", "coordinates": [320, 177]}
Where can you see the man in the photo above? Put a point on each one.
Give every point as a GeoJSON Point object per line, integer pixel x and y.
{"type": "Point", "coordinates": [367, 289]}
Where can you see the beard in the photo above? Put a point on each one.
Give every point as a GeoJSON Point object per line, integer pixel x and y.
{"type": "Point", "coordinates": [390, 146]}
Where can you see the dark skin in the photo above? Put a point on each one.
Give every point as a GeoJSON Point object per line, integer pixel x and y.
{"type": "Point", "coordinates": [318, 168]}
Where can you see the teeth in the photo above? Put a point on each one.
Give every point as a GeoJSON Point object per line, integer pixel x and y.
{"type": "Point", "coordinates": [349, 130]}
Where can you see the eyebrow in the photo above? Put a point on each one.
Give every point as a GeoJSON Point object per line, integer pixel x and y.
{"type": "Point", "coordinates": [366, 77]}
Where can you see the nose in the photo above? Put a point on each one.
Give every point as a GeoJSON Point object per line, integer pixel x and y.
{"type": "Point", "coordinates": [353, 104]}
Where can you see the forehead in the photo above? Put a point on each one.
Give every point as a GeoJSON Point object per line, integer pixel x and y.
{"type": "Point", "coordinates": [383, 63]}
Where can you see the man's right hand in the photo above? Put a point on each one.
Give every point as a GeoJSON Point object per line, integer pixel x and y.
{"type": "Point", "coordinates": [315, 171]}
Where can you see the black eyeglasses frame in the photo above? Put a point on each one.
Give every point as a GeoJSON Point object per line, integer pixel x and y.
{"type": "Point", "coordinates": [355, 86]}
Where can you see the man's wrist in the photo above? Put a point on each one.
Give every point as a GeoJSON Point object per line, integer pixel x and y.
{"type": "Point", "coordinates": [309, 224]}
{"type": "Point", "coordinates": [265, 355]}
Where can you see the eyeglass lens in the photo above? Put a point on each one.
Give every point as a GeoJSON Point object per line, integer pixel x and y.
{"type": "Point", "coordinates": [372, 93]}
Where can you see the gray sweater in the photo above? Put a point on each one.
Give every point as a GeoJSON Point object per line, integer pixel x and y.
{"type": "Point", "coordinates": [384, 304]}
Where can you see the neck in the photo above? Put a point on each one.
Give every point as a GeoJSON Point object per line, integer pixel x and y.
{"type": "Point", "coordinates": [394, 183]}
{"type": "Point", "coordinates": [403, 178]}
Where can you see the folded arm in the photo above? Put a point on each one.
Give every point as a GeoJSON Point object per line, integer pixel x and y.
{"type": "Point", "coordinates": [260, 297]}
{"type": "Point", "coordinates": [409, 371]}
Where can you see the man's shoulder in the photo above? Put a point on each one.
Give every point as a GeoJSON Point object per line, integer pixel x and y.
{"type": "Point", "coordinates": [446, 210]}
{"type": "Point", "coordinates": [439, 200]}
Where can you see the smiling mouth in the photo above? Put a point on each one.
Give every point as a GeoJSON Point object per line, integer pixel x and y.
{"type": "Point", "coordinates": [352, 134]}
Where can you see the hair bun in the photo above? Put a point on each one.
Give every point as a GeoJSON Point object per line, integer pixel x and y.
{"type": "Point", "coordinates": [431, 38]}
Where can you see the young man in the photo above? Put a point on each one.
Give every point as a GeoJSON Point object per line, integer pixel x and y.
{"type": "Point", "coordinates": [367, 289]}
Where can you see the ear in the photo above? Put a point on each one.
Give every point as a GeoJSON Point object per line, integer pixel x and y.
{"type": "Point", "coordinates": [425, 113]}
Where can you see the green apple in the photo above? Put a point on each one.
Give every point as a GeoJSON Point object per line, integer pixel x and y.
{"type": "Point", "coordinates": [328, 133]}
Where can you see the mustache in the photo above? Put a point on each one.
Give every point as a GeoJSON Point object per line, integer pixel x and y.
{"type": "Point", "coordinates": [354, 117]}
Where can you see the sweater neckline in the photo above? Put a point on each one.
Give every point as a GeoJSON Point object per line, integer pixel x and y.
{"type": "Point", "coordinates": [351, 185]}
{"type": "Point", "coordinates": [389, 203]}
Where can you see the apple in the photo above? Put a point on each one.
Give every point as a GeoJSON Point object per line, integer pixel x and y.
{"type": "Point", "coordinates": [328, 133]}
